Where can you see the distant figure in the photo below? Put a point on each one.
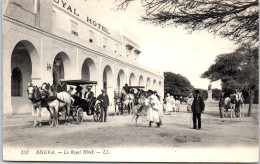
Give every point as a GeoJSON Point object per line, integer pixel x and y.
{"type": "Point", "coordinates": [221, 106]}
{"type": "Point", "coordinates": [168, 103]}
{"type": "Point", "coordinates": [172, 101]}
{"type": "Point", "coordinates": [177, 104]}
{"type": "Point", "coordinates": [197, 108]}
{"type": "Point", "coordinates": [181, 99]}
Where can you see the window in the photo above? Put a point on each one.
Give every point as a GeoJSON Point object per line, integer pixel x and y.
{"type": "Point", "coordinates": [17, 82]}
{"type": "Point", "coordinates": [104, 42]}
{"type": "Point", "coordinates": [128, 52]}
{"type": "Point", "coordinates": [116, 48]}
{"type": "Point", "coordinates": [74, 28]}
{"type": "Point", "coordinates": [91, 36]}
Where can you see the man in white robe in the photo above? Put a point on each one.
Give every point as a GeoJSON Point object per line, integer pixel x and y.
{"type": "Point", "coordinates": [168, 103]}
{"type": "Point", "coordinates": [173, 104]}
{"type": "Point", "coordinates": [155, 111]}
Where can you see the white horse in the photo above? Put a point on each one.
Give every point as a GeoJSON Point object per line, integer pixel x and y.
{"type": "Point", "coordinates": [61, 100]}
{"type": "Point", "coordinates": [128, 101]}
{"type": "Point", "coordinates": [240, 103]}
{"type": "Point", "coordinates": [230, 103]}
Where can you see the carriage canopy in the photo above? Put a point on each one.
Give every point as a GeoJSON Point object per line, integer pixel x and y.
{"type": "Point", "coordinates": [79, 82]}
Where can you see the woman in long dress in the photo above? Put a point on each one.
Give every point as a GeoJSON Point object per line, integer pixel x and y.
{"type": "Point", "coordinates": [155, 111]}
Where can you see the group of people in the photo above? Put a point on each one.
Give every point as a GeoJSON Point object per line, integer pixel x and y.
{"type": "Point", "coordinates": [195, 105]}
{"type": "Point", "coordinates": [154, 112]}
{"type": "Point", "coordinates": [171, 104]}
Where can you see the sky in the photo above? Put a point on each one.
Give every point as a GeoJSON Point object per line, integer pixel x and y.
{"type": "Point", "coordinates": [164, 49]}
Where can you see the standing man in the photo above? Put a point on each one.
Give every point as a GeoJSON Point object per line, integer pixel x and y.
{"type": "Point", "coordinates": [221, 105]}
{"type": "Point", "coordinates": [103, 98]}
{"type": "Point", "coordinates": [88, 96]}
{"type": "Point", "coordinates": [197, 108]}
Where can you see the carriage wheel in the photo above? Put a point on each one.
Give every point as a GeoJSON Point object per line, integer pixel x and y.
{"type": "Point", "coordinates": [74, 114]}
{"type": "Point", "coordinates": [97, 114]}
{"type": "Point", "coordinates": [79, 116]}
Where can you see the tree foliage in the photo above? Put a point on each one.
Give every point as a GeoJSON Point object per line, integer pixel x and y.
{"type": "Point", "coordinates": [237, 70]}
{"type": "Point", "coordinates": [234, 19]}
{"type": "Point", "coordinates": [176, 84]}
{"type": "Point", "coordinates": [203, 93]}
{"type": "Point", "coordinates": [216, 93]}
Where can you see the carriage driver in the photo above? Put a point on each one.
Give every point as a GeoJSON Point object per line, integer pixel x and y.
{"type": "Point", "coordinates": [126, 88]}
{"type": "Point", "coordinates": [88, 94]}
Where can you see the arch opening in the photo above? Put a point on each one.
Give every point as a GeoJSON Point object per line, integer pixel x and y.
{"type": "Point", "coordinates": [88, 70]}
{"type": "Point", "coordinates": [132, 79]}
{"type": "Point", "coordinates": [148, 83]}
{"type": "Point", "coordinates": [107, 77]}
{"type": "Point", "coordinates": [141, 81]}
{"type": "Point", "coordinates": [24, 67]}
{"type": "Point", "coordinates": [121, 79]}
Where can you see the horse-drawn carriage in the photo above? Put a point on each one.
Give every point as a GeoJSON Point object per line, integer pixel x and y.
{"type": "Point", "coordinates": [79, 104]}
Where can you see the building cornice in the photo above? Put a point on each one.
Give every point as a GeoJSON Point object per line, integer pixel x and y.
{"type": "Point", "coordinates": [139, 67]}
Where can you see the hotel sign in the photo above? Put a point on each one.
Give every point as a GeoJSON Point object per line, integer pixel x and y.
{"type": "Point", "coordinates": [74, 11]}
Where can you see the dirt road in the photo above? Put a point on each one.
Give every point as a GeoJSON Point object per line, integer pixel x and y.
{"type": "Point", "coordinates": [121, 132]}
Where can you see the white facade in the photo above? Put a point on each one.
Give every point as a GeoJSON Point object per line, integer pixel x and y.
{"type": "Point", "coordinates": [47, 33]}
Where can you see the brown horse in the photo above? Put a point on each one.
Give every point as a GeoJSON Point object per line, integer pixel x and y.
{"type": "Point", "coordinates": [56, 101]}
{"type": "Point", "coordinates": [141, 109]}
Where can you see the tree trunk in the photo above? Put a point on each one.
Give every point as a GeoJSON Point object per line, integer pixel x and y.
{"type": "Point", "coordinates": [251, 100]}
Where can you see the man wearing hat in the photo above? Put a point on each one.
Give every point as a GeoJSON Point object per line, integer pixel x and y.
{"type": "Point", "coordinates": [103, 98]}
{"type": "Point", "coordinates": [126, 88]}
{"type": "Point", "coordinates": [197, 108]}
{"type": "Point", "coordinates": [88, 96]}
